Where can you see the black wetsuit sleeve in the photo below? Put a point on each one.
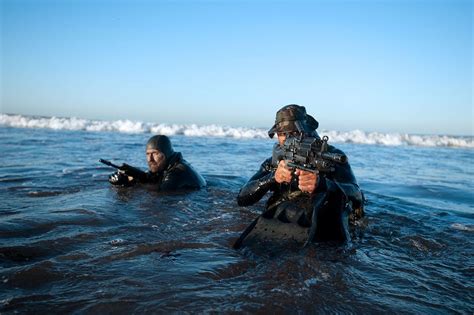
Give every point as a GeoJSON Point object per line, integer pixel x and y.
{"type": "Point", "coordinates": [258, 185]}
{"type": "Point", "coordinates": [344, 179]}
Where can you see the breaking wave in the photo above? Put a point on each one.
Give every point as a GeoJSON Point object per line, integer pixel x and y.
{"type": "Point", "coordinates": [194, 130]}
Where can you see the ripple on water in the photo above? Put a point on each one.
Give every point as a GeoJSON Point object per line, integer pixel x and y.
{"type": "Point", "coordinates": [23, 253]}
{"type": "Point", "coordinates": [51, 193]}
{"type": "Point", "coordinates": [423, 244]}
{"type": "Point", "coordinates": [39, 191]}
{"type": "Point", "coordinates": [29, 302]}
{"type": "Point", "coordinates": [36, 275]}
{"type": "Point", "coordinates": [13, 179]}
{"type": "Point", "coordinates": [227, 271]}
{"type": "Point", "coordinates": [165, 248]}
{"type": "Point", "coordinates": [44, 249]}
{"type": "Point", "coordinates": [37, 225]}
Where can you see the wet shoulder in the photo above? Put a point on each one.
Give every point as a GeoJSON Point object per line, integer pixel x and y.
{"type": "Point", "coordinates": [183, 175]}
{"type": "Point", "coordinates": [343, 171]}
{"type": "Point", "coordinates": [333, 149]}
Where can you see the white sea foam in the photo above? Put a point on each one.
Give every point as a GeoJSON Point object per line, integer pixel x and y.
{"type": "Point", "coordinates": [462, 227]}
{"type": "Point", "coordinates": [193, 130]}
{"type": "Point", "coordinates": [396, 139]}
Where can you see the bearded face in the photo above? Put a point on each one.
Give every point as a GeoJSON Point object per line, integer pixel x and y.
{"type": "Point", "coordinates": [156, 160]}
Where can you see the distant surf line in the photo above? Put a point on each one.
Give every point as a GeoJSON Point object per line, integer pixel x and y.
{"type": "Point", "coordinates": [195, 130]}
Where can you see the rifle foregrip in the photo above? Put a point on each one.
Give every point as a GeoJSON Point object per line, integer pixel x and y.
{"type": "Point", "coordinates": [133, 172]}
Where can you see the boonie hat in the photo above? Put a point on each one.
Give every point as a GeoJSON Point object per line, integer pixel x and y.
{"type": "Point", "coordinates": [293, 118]}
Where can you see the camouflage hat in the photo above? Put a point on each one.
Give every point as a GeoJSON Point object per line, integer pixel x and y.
{"type": "Point", "coordinates": [292, 118]}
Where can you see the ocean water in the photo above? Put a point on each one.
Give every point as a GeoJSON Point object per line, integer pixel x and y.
{"type": "Point", "coordinates": [70, 242]}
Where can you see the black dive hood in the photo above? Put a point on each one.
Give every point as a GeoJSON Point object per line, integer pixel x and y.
{"type": "Point", "coordinates": [162, 144]}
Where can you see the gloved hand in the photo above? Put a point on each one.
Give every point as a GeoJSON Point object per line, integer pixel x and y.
{"type": "Point", "coordinates": [119, 178]}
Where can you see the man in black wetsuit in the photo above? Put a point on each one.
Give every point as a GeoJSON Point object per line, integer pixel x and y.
{"type": "Point", "coordinates": [296, 193]}
{"type": "Point", "coordinates": [167, 169]}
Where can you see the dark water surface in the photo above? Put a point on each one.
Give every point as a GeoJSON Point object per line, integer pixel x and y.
{"type": "Point", "coordinates": [69, 242]}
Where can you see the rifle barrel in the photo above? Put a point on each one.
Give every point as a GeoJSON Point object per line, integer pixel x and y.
{"type": "Point", "coordinates": [109, 163]}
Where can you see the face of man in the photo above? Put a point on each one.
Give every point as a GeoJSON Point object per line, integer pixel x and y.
{"type": "Point", "coordinates": [282, 136]}
{"type": "Point", "coordinates": [156, 160]}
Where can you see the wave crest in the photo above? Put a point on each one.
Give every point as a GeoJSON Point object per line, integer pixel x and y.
{"type": "Point", "coordinates": [194, 130]}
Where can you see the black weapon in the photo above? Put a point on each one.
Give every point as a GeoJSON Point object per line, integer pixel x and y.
{"type": "Point", "coordinates": [309, 154]}
{"type": "Point", "coordinates": [128, 170]}
{"type": "Point", "coordinates": [319, 200]}
{"type": "Point", "coordinates": [245, 233]}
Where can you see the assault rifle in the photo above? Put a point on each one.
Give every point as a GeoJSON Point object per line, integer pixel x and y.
{"type": "Point", "coordinates": [309, 154]}
{"type": "Point", "coordinates": [127, 170]}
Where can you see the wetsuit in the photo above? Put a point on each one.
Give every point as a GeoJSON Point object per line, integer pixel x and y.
{"type": "Point", "coordinates": [179, 174]}
{"type": "Point", "coordinates": [290, 205]}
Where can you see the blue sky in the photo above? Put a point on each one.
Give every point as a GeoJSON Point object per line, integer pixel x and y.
{"type": "Point", "coordinates": [389, 66]}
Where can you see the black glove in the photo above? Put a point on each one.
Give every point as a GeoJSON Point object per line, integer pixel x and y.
{"type": "Point", "coordinates": [120, 179]}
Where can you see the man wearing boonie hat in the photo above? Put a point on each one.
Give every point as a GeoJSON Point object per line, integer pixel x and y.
{"type": "Point", "coordinates": [293, 190]}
